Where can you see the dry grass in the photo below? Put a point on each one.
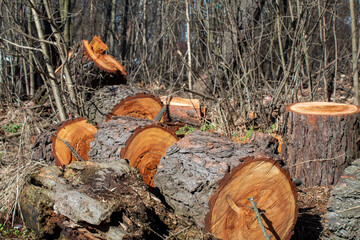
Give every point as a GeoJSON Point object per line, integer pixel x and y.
{"type": "Point", "coordinates": [15, 160]}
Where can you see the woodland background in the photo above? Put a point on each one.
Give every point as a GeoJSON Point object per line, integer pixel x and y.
{"type": "Point", "coordinates": [247, 58]}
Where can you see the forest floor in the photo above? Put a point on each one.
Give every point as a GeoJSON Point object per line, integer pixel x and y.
{"type": "Point", "coordinates": [19, 126]}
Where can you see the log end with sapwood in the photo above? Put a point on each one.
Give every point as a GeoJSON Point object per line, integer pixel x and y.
{"type": "Point", "coordinates": [205, 168]}
{"type": "Point", "coordinates": [71, 141]}
{"type": "Point", "coordinates": [143, 142]}
{"type": "Point", "coordinates": [140, 105]}
{"type": "Point", "coordinates": [230, 215]}
{"type": "Point", "coordinates": [320, 140]}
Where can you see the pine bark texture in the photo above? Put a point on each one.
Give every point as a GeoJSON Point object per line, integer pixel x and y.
{"type": "Point", "coordinates": [191, 170]}
{"type": "Point", "coordinates": [317, 148]}
{"type": "Point", "coordinates": [343, 216]}
{"type": "Point", "coordinates": [111, 137]}
{"type": "Point", "coordinates": [105, 99]}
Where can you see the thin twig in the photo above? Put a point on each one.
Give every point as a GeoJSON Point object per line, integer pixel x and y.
{"type": "Point", "coordinates": [258, 218]}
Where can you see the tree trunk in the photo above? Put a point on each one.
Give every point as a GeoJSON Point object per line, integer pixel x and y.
{"type": "Point", "coordinates": [196, 170]}
{"type": "Point", "coordinates": [143, 142]}
{"type": "Point", "coordinates": [320, 141]}
{"type": "Point", "coordinates": [89, 200]}
{"type": "Point", "coordinates": [112, 101]}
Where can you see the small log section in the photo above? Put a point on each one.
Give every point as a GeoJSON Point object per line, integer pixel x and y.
{"type": "Point", "coordinates": [320, 140]}
{"type": "Point", "coordinates": [78, 134]}
{"type": "Point", "coordinates": [141, 105]}
{"type": "Point", "coordinates": [90, 67]}
{"type": "Point", "coordinates": [143, 142]}
{"type": "Point", "coordinates": [122, 100]}
{"type": "Point", "coordinates": [183, 110]}
{"type": "Point", "coordinates": [205, 177]}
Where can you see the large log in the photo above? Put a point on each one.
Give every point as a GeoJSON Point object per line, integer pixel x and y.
{"type": "Point", "coordinates": [122, 100]}
{"type": "Point", "coordinates": [92, 200]}
{"type": "Point", "coordinates": [65, 142]}
{"type": "Point", "coordinates": [143, 142]}
{"type": "Point", "coordinates": [205, 177]}
{"type": "Point", "coordinates": [320, 140]}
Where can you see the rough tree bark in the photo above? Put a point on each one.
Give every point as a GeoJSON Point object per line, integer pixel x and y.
{"type": "Point", "coordinates": [88, 200]}
{"type": "Point", "coordinates": [320, 140]}
{"type": "Point", "coordinates": [142, 142]}
{"type": "Point", "coordinates": [198, 165]}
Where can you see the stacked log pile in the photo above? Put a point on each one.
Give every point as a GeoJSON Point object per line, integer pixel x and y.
{"type": "Point", "coordinates": [233, 190]}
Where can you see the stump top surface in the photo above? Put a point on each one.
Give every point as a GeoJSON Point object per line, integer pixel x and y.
{"type": "Point", "coordinates": [322, 108]}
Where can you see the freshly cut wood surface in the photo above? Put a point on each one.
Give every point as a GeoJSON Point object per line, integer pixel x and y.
{"type": "Point", "coordinates": [320, 140]}
{"type": "Point", "coordinates": [143, 142]}
{"type": "Point", "coordinates": [140, 105]}
{"type": "Point", "coordinates": [145, 148]}
{"type": "Point", "coordinates": [323, 108]}
{"type": "Point", "coordinates": [76, 132]}
{"type": "Point", "coordinates": [230, 215]}
{"type": "Point", "coordinates": [183, 110]}
{"type": "Point", "coordinates": [95, 49]}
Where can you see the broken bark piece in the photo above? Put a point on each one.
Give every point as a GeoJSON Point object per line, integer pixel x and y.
{"type": "Point", "coordinates": [193, 167]}
{"type": "Point", "coordinates": [320, 140]}
{"type": "Point", "coordinates": [71, 141]}
{"type": "Point", "coordinates": [270, 186]}
{"type": "Point", "coordinates": [140, 105]}
{"type": "Point", "coordinates": [141, 141]}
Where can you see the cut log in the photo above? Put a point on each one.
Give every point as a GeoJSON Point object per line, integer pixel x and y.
{"type": "Point", "coordinates": [140, 105]}
{"type": "Point", "coordinates": [183, 110]}
{"type": "Point", "coordinates": [205, 168]}
{"type": "Point", "coordinates": [90, 67]}
{"type": "Point", "coordinates": [143, 142]}
{"type": "Point", "coordinates": [320, 140]}
{"type": "Point", "coordinates": [92, 200]}
{"type": "Point", "coordinates": [120, 100]}
{"type": "Point", "coordinates": [71, 141]}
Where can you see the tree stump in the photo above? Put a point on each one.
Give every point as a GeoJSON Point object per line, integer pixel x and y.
{"type": "Point", "coordinates": [73, 138]}
{"type": "Point", "coordinates": [205, 177]}
{"type": "Point", "coordinates": [320, 140]}
{"type": "Point", "coordinates": [124, 100]}
{"type": "Point", "coordinates": [78, 134]}
{"type": "Point", "coordinates": [143, 142]}
{"type": "Point", "coordinates": [90, 67]}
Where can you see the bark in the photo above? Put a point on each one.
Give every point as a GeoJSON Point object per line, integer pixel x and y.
{"type": "Point", "coordinates": [320, 141]}
{"type": "Point", "coordinates": [191, 171]}
{"type": "Point", "coordinates": [87, 200]}
{"type": "Point", "coordinates": [142, 142]}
